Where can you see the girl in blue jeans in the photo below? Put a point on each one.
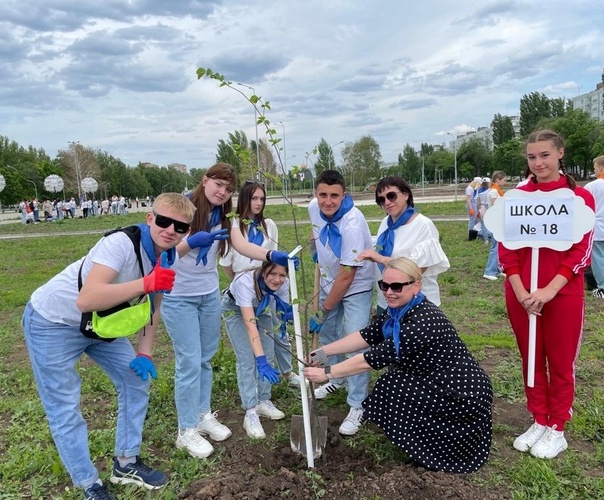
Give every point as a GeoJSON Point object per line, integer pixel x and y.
{"type": "Point", "coordinates": [248, 306]}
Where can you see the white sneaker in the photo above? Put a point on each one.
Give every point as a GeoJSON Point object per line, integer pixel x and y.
{"type": "Point", "coordinates": [489, 277]}
{"type": "Point", "coordinates": [551, 443]}
{"type": "Point", "coordinates": [252, 425]}
{"type": "Point", "coordinates": [267, 409]}
{"type": "Point", "coordinates": [324, 390]}
{"type": "Point", "coordinates": [197, 446]}
{"type": "Point", "coordinates": [353, 422]}
{"type": "Point", "coordinates": [598, 293]}
{"type": "Point", "coordinates": [525, 441]}
{"type": "Point", "coordinates": [208, 425]}
{"type": "Point", "coordinates": [294, 379]}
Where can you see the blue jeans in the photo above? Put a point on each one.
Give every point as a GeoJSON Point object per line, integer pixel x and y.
{"type": "Point", "coordinates": [597, 262]}
{"type": "Point", "coordinates": [283, 347]}
{"type": "Point", "coordinates": [493, 268]}
{"type": "Point", "coordinates": [54, 349]}
{"type": "Point", "coordinates": [193, 324]}
{"type": "Point", "coordinates": [349, 316]}
{"type": "Point", "coordinates": [252, 389]}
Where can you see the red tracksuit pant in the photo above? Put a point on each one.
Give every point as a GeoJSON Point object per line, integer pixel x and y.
{"type": "Point", "coordinates": [559, 331]}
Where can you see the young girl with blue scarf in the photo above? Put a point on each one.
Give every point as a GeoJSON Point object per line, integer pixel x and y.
{"type": "Point", "coordinates": [434, 401]}
{"type": "Point", "coordinates": [249, 305]}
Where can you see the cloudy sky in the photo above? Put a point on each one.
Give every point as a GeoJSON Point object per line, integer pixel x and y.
{"type": "Point", "coordinates": [120, 75]}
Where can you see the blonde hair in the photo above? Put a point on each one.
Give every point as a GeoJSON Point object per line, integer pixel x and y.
{"type": "Point", "coordinates": [599, 161]}
{"type": "Point", "coordinates": [178, 203]}
{"type": "Point", "coordinates": [407, 266]}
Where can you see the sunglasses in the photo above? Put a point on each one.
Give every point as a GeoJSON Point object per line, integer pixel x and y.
{"type": "Point", "coordinates": [165, 222]}
{"type": "Point", "coordinates": [252, 181]}
{"type": "Point", "coordinates": [395, 287]}
{"type": "Point", "coordinates": [391, 196]}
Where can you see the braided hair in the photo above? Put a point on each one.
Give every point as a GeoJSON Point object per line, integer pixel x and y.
{"type": "Point", "coordinates": [558, 143]}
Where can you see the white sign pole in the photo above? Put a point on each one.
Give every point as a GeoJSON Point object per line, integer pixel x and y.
{"type": "Point", "coordinates": [530, 375]}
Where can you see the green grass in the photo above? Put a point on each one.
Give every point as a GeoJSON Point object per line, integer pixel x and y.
{"type": "Point", "coordinates": [30, 466]}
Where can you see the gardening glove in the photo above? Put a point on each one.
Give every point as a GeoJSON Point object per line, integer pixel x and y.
{"type": "Point", "coordinates": [204, 242]}
{"type": "Point", "coordinates": [280, 258]}
{"type": "Point", "coordinates": [143, 366]}
{"type": "Point", "coordinates": [161, 279]}
{"type": "Point", "coordinates": [315, 257]}
{"type": "Point", "coordinates": [316, 323]}
{"type": "Point", "coordinates": [266, 371]}
{"type": "Point", "coordinates": [318, 358]}
{"type": "Point", "coordinates": [471, 212]}
{"type": "Point", "coordinates": [289, 315]}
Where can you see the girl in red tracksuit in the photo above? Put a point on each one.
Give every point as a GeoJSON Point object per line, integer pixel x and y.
{"type": "Point", "coordinates": [558, 302]}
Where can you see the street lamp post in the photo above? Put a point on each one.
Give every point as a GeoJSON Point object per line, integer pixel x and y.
{"type": "Point", "coordinates": [35, 187]}
{"type": "Point", "coordinates": [332, 155]}
{"type": "Point", "coordinates": [455, 161]}
{"type": "Point", "coordinates": [74, 145]}
{"type": "Point", "coordinates": [256, 124]}
{"type": "Point", "coordinates": [284, 163]}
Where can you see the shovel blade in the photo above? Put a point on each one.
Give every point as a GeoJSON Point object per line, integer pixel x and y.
{"type": "Point", "coordinates": [318, 432]}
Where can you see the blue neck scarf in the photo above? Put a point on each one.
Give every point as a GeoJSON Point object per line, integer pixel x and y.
{"type": "Point", "coordinates": [281, 307]}
{"type": "Point", "coordinates": [330, 233]}
{"type": "Point", "coordinates": [392, 326]}
{"type": "Point", "coordinates": [385, 242]}
{"type": "Point", "coordinates": [254, 233]}
{"type": "Point", "coordinates": [215, 217]}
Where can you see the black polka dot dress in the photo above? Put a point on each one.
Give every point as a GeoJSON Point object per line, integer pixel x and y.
{"type": "Point", "coordinates": [435, 400]}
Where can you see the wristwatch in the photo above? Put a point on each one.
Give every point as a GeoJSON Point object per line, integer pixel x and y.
{"type": "Point", "coordinates": [328, 372]}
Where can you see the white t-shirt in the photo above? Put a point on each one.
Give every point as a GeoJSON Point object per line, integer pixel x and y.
{"type": "Point", "coordinates": [596, 188]}
{"type": "Point", "coordinates": [418, 240]}
{"type": "Point", "coordinates": [492, 195]}
{"type": "Point", "coordinates": [356, 237]}
{"type": "Point", "coordinates": [243, 290]}
{"type": "Point", "coordinates": [240, 263]}
{"type": "Point", "coordinates": [56, 300]}
{"type": "Point", "coordinates": [194, 280]}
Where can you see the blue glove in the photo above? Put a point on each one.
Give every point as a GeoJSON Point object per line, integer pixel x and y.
{"type": "Point", "coordinates": [204, 242]}
{"type": "Point", "coordinates": [289, 315]}
{"type": "Point", "coordinates": [201, 239]}
{"type": "Point", "coordinates": [266, 371]}
{"type": "Point", "coordinates": [143, 366]}
{"type": "Point", "coordinates": [281, 258]}
{"type": "Point", "coordinates": [316, 323]}
{"type": "Point", "coordinates": [315, 257]}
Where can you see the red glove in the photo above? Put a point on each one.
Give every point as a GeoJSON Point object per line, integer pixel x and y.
{"type": "Point", "coordinates": [160, 279]}
{"type": "Point", "coordinates": [471, 211]}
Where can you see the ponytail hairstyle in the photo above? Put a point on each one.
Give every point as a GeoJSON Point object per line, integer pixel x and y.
{"type": "Point", "coordinates": [218, 171]}
{"type": "Point", "coordinates": [243, 205]}
{"type": "Point", "coordinates": [557, 141]}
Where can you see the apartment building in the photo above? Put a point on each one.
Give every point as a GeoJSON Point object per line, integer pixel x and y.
{"type": "Point", "coordinates": [592, 102]}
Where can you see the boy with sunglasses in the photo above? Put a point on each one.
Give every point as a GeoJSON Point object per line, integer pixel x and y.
{"type": "Point", "coordinates": [110, 275]}
{"type": "Point", "coordinates": [340, 232]}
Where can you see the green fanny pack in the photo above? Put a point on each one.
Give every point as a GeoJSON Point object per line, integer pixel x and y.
{"type": "Point", "coordinates": [128, 320]}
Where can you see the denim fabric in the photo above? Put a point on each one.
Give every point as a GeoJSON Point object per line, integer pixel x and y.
{"type": "Point", "coordinates": [193, 324]}
{"type": "Point", "coordinates": [351, 315]}
{"type": "Point", "coordinates": [597, 262]}
{"type": "Point", "coordinates": [492, 268]}
{"type": "Point", "coordinates": [252, 389]}
{"type": "Point", "coordinates": [54, 349]}
{"type": "Point", "coordinates": [283, 348]}
{"type": "Point", "coordinates": [472, 221]}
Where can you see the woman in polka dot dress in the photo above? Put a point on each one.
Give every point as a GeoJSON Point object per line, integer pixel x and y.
{"type": "Point", "coordinates": [435, 400]}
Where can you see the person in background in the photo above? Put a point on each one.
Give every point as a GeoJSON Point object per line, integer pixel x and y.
{"type": "Point", "coordinates": [492, 270]}
{"type": "Point", "coordinates": [259, 230]}
{"type": "Point", "coordinates": [432, 399]}
{"type": "Point", "coordinates": [471, 207]}
{"type": "Point", "coordinates": [340, 232]}
{"type": "Point", "coordinates": [110, 275]}
{"type": "Point", "coordinates": [596, 188]}
{"type": "Point", "coordinates": [558, 303]}
{"type": "Point", "coordinates": [404, 232]}
{"type": "Point", "coordinates": [249, 305]}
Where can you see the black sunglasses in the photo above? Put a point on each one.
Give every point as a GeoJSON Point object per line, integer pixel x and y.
{"type": "Point", "coordinates": [252, 181]}
{"type": "Point", "coordinates": [165, 222]}
{"type": "Point", "coordinates": [392, 196]}
{"type": "Point", "coordinates": [396, 287]}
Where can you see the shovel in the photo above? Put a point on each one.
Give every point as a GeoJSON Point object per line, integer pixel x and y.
{"type": "Point", "coordinates": [308, 431]}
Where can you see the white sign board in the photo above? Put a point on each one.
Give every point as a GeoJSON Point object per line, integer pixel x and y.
{"type": "Point", "coordinates": [539, 219]}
